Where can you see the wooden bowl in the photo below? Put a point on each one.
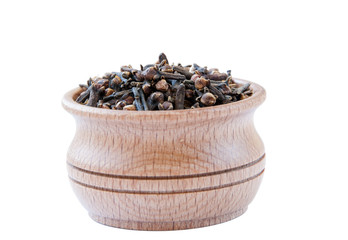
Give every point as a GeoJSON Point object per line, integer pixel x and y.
{"type": "Point", "coordinates": [166, 170]}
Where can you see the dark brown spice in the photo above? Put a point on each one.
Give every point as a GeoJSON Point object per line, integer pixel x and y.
{"type": "Point", "coordinates": [154, 99]}
{"type": "Point", "coordinates": [162, 57]}
{"type": "Point", "coordinates": [120, 105]}
{"type": "Point", "coordinates": [183, 71]}
{"type": "Point", "coordinates": [201, 82]}
{"type": "Point", "coordinates": [143, 99]}
{"type": "Point", "coordinates": [83, 96]}
{"type": "Point", "coordinates": [165, 106]}
{"type": "Point", "coordinates": [180, 97]}
{"type": "Point", "coordinates": [95, 94]}
{"type": "Point", "coordinates": [208, 99]}
{"type": "Point", "coordinates": [240, 90]}
{"type": "Point", "coordinates": [161, 86]}
{"type": "Point", "coordinates": [218, 93]}
{"type": "Point", "coordinates": [137, 100]}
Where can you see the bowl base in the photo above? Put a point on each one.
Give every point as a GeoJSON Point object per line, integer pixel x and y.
{"type": "Point", "coordinates": [166, 226]}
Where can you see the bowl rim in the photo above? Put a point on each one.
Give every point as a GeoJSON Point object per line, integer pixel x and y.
{"type": "Point", "coordinates": [256, 99]}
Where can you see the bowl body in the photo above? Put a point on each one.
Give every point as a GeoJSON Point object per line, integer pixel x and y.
{"type": "Point", "coordinates": [166, 170]}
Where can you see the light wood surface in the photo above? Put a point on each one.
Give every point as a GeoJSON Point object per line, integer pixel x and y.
{"type": "Point", "coordinates": [166, 170]}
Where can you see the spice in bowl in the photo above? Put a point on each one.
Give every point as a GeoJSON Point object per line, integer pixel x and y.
{"type": "Point", "coordinates": [161, 86]}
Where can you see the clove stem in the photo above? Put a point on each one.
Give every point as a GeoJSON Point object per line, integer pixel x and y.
{"type": "Point", "coordinates": [94, 95]}
{"type": "Point", "coordinates": [171, 76]}
{"type": "Point", "coordinates": [217, 92]}
{"type": "Point", "coordinates": [240, 90]}
{"type": "Point", "coordinates": [183, 71]}
{"type": "Point", "coordinates": [84, 95]}
{"type": "Point", "coordinates": [143, 99]}
{"type": "Point", "coordinates": [137, 101]}
{"type": "Point", "coordinates": [116, 95]}
{"type": "Point", "coordinates": [119, 74]}
{"type": "Point", "coordinates": [180, 97]}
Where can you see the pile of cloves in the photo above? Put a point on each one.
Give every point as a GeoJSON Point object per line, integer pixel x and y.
{"type": "Point", "coordinates": [161, 86]}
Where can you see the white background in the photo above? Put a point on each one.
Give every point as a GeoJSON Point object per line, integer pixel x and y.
{"type": "Point", "coordinates": [297, 50]}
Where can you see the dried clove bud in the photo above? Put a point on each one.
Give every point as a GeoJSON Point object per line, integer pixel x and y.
{"type": "Point", "coordinates": [83, 96]}
{"type": "Point", "coordinates": [183, 71]}
{"type": "Point", "coordinates": [162, 57]}
{"type": "Point", "coordinates": [154, 99]}
{"type": "Point", "coordinates": [241, 89]}
{"type": "Point", "coordinates": [189, 93]}
{"type": "Point", "coordinates": [149, 73]}
{"type": "Point", "coordinates": [180, 97]}
{"type": "Point", "coordinates": [95, 93]}
{"type": "Point", "coordinates": [157, 97]}
{"type": "Point", "coordinates": [167, 68]}
{"type": "Point", "coordinates": [115, 83]}
{"type": "Point", "coordinates": [217, 76]}
{"type": "Point", "coordinates": [101, 82]}
{"type": "Point", "coordinates": [106, 106]}
{"type": "Point", "coordinates": [195, 77]}
{"type": "Point", "coordinates": [130, 108]}
{"type": "Point", "coordinates": [165, 106]}
{"type": "Point", "coordinates": [224, 88]}
{"type": "Point", "coordinates": [162, 63]}
{"type": "Point", "coordinates": [201, 82]}
{"type": "Point", "coordinates": [218, 93]}
{"type": "Point", "coordinates": [129, 99]}
{"type": "Point", "coordinates": [162, 85]}
{"type": "Point", "coordinates": [126, 75]}
{"type": "Point", "coordinates": [119, 74]}
{"type": "Point", "coordinates": [120, 105]}
{"type": "Point", "coordinates": [147, 88]}
{"type": "Point", "coordinates": [208, 99]}
{"type": "Point", "coordinates": [109, 91]}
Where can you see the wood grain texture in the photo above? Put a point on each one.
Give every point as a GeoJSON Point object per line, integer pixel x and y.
{"type": "Point", "coordinates": [166, 170]}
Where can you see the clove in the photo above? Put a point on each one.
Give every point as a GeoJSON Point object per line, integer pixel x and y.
{"type": "Point", "coordinates": [161, 86]}
{"type": "Point", "coordinates": [180, 97]}
{"type": "Point", "coordinates": [218, 93]}
{"type": "Point", "coordinates": [137, 100]}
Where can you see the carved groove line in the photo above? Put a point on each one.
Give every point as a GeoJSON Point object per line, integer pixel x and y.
{"type": "Point", "coordinates": [167, 177]}
{"type": "Point", "coordinates": [167, 192]}
{"type": "Point", "coordinates": [171, 223]}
